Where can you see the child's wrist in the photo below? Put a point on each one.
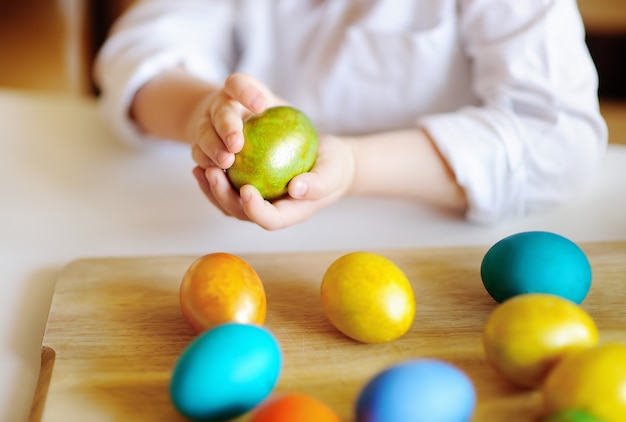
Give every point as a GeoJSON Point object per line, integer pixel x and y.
{"type": "Point", "coordinates": [351, 165]}
{"type": "Point", "coordinates": [197, 118]}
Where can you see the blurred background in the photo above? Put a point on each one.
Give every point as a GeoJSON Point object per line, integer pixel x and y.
{"type": "Point", "coordinates": [49, 45]}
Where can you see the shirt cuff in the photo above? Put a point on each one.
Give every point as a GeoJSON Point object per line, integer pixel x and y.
{"type": "Point", "coordinates": [484, 150]}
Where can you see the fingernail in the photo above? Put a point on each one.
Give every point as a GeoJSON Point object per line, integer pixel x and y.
{"type": "Point", "coordinates": [299, 189]}
{"type": "Point", "coordinates": [212, 178]}
{"type": "Point", "coordinates": [223, 159]}
{"type": "Point", "coordinates": [245, 195]}
{"type": "Point", "coordinates": [231, 140]}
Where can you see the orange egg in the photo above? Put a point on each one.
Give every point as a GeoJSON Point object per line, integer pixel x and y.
{"type": "Point", "coordinates": [218, 288]}
{"type": "Point", "coordinates": [293, 407]}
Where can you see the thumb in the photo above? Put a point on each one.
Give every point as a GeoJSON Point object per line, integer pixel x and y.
{"type": "Point", "coordinates": [309, 186]}
{"type": "Point", "coordinates": [330, 176]}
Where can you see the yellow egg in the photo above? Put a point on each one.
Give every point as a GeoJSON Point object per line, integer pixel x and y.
{"type": "Point", "coordinates": [368, 297]}
{"type": "Point", "coordinates": [593, 379]}
{"type": "Point", "coordinates": [525, 336]}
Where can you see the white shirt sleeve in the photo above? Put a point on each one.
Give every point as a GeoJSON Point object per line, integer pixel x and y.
{"type": "Point", "coordinates": [155, 35]}
{"type": "Point", "coordinates": [537, 135]}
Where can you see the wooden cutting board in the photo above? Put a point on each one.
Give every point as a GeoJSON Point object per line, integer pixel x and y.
{"type": "Point", "coordinates": [115, 331]}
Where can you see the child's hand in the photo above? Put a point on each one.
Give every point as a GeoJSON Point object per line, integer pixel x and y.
{"type": "Point", "coordinates": [217, 130]}
{"type": "Point", "coordinates": [329, 180]}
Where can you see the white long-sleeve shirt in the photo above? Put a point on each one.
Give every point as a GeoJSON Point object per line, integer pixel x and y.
{"type": "Point", "coordinates": [506, 88]}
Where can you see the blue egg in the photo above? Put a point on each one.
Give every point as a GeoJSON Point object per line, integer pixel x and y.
{"type": "Point", "coordinates": [422, 390]}
{"type": "Point", "coordinates": [225, 372]}
{"type": "Point", "coordinates": [536, 262]}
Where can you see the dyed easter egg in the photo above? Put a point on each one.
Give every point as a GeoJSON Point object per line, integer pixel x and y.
{"type": "Point", "coordinates": [536, 262]}
{"type": "Point", "coordinates": [280, 143]}
{"type": "Point", "coordinates": [293, 407]}
{"type": "Point", "coordinates": [571, 416]}
{"type": "Point", "coordinates": [225, 372]}
{"type": "Point", "coordinates": [367, 297]}
{"type": "Point", "coordinates": [527, 335]}
{"type": "Point", "coordinates": [218, 288]}
{"type": "Point", "coordinates": [593, 379]}
{"type": "Point", "coordinates": [421, 390]}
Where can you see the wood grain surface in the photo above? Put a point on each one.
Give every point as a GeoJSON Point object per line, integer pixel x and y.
{"type": "Point", "coordinates": [115, 331]}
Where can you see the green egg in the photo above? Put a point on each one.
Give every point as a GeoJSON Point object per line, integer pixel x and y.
{"type": "Point", "coordinates": [279, 144]}
{"type": "Point", "coordinates": [572, 416]}
{"type": "Point", "coordinates": [536, 262]}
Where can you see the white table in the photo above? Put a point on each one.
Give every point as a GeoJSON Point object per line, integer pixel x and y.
{"type": "Point", "coordinates": [68, 190]}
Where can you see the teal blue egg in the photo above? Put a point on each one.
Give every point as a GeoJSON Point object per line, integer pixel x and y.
{"type": "Point", "coordinates": [225, 372]}
{"type": "Point", "coordinates": [536, 262]}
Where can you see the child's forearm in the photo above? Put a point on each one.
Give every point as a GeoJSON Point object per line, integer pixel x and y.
{"type": "Point", "coordinates": [405, 164]}
{"type": "Point", "coordinates": [166, 106]}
